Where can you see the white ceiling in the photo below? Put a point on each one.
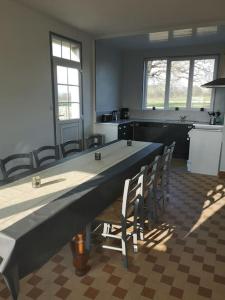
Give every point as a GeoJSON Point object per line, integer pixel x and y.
{"type": "Point", "coordinates": [121, 17]}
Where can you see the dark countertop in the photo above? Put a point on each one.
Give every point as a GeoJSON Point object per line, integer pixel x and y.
{"type": "Point", "coordinates": [118, 122]}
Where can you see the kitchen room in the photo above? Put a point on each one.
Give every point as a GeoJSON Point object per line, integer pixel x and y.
{"type": "Point", "coordinates": [111, 156]}
{"type": "Point", "coordinates": [165, 107]}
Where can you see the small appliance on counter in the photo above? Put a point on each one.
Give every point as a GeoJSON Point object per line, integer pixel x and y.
{"type": "Point", "coordinates": [124, 113]}
{"type": "Point", "coordinates": [107, 117]}
{"type": "Point", "coordinates": [115, 115]}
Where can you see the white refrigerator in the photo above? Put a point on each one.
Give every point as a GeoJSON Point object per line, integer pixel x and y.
{"type": "Point", "coordinates": [205, 149]}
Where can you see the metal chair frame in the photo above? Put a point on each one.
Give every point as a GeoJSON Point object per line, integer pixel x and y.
{"type": "Point", "coordinates": [7, 173]}
{"type": "Point", "coordinates": [66, 152]}
{"type": "Point", "coordinates": [40, 161]}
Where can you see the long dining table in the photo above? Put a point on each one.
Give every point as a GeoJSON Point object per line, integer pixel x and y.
{"type": "Point", "coordinates": [35, 223]}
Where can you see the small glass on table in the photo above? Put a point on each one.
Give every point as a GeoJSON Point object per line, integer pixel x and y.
{"type": "Point", "coordinates": [129, 142]}
{"type": "Point", "coordinates": [36, 181]}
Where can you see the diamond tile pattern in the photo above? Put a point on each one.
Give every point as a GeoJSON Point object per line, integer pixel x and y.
{"type": "Point", "coordinates": [182, 257]}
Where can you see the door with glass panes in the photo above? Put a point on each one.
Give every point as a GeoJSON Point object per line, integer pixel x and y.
{"type": "Point", "coordinates": [67, 90]}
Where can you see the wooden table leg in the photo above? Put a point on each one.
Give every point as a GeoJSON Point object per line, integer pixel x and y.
{"type": "Point", "coordinates": [80, 255]}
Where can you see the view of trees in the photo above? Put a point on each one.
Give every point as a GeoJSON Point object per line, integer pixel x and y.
{"type": "Point", "coordinates": [178, 82]}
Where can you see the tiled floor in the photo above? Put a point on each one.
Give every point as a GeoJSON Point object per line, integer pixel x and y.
{"type": "Point", "coordinates": [181, 258]}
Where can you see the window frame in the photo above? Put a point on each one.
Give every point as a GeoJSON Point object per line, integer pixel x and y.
{"type": "Point", "coordinates": [169, 59]}
{"type": "Point", "coordinates": [65, 63]}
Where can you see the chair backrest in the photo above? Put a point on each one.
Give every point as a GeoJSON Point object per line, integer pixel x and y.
{"type": "Point", "coordinates": [45, 155]}
{"type": "Point", "coordinates": [95, 140]}
{"type": "Point", "coordinates": [151, 174]}
{"type": "Point", "coordinates": [17, 162]}
{"type": "Point", "coordinates": [165, 160]}
{"type": "Point", "coordinates": [71, 147]}
{"type": "Point", "coordinates": [132, 194]}
{"type": "Point", "coordinates": [171, 148]}
{"type": "Point", "coordinates": [167, 156]}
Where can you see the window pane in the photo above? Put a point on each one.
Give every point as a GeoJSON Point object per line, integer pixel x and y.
{"type": "Point", "coordinates": [61, 75]}
{"type": "Point", "coordinates": [179, 83]}
{"type": "Point", "coordinates": [74, 110]}
{"type": "Point", "coordinates": [56, 47]}
{"type": "Point", "coordinates": [73, 76]}
{"type": "Point", "coordinates": [62, 93]}
{"type": "Point", "coordinates": [203, 72]}
{"type": "Point", "coordinates": [75, 52]}
{"type": "Point", "coordinates": [156, 83]}
{"type": "Point", "coordinates": [65, 50]}
{"type": "Point", "coordinates": [63, 111]}
{"type": "Point", "coordinates": [74, 94]}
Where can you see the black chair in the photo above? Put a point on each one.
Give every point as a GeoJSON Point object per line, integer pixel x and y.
{"type": "Point", "coordinates": [71, 147]}
{"type": "Point", "coordinates": [94, 141]}
{"type": "Point", "coordinates": [45, 155]}
{"type": "Point", "coordinates": [17, 162]}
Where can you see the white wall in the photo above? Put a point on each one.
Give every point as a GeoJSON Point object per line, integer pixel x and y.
{"type": "Point", "coordinates": [26, 116]}
{"type": "Point", "coordinates": [108, 77]}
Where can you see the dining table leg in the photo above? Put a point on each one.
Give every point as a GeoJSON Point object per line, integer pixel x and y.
{"type": "Point", "coordinates": [80, 254]}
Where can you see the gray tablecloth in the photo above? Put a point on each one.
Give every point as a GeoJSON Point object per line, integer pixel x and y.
{"type": "Point", "coordinates": [30, 242]}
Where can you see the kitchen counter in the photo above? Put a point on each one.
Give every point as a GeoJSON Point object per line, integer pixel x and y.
{"type": "Point", "coordinates": [119, 122]}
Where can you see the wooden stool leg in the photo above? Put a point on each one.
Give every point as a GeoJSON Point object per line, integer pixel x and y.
{"type": "Point", "coordinates": [80, 255]}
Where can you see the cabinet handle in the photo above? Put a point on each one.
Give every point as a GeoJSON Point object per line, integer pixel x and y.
{"type": "Point", "coordinates": [165, 126]}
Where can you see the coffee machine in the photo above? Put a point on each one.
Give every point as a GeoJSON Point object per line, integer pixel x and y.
{"type": "Point", "coordinates": [124, 113]}
{"type": "Point", "coordinates": [115, 115]}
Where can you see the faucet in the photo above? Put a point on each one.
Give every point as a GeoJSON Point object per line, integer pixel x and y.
{"type": "Point", "coordinates": [183, 118]}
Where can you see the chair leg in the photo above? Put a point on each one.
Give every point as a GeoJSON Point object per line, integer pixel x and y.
{"type": "Point", "coordinates": [135, 240]}
{"type": "Point", "coordinates": [106, 228]}
{"type": "Point", "coordinates": [88, 238]}
{"type": "Point", "coordinates": [141, 221]}
{"type": "Point", "coordinates": [124, 248]}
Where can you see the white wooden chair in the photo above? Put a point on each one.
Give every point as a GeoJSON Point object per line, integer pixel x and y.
{"type": "Point", "coordinates": [151, 177]}
{"type": "Point", "coordinates": [123, 215]}
{"type": "Point", "coordinates": [165, 173]}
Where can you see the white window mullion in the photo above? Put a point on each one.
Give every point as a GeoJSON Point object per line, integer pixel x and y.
{"type": "Point", "coordinates": [145, 86]}
{"type": "Point", "coordinates": [167, 90]}
{"type": "Point", "coordinates": [190, 83]}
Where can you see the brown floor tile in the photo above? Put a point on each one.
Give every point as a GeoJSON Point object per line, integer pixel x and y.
{"type": "Point", "coordinates": [119, 293]}
{"type": "Point", "coordinates": [91, 293]}
{"type": "Point", "coordinates": [87, 280]}
{"type": "Point", "coordinates": [204, 292]}
{"type": "Point", "coordinates": [140, 279]}
{"type": "Point", "coordinates": [167, 279]}
{"type": "Point", "coordinates": [148, 293]}
{"type": "Point", "coordinates": [34, 293]}
{"type": "Point", "coordinates": [176, 292]}
{"type": "Point", "coordinates": [193, 279]}
{"type": "Point", "coordinates": [114, 280]}
{"type": "Point", "coordinates": [34, 280]}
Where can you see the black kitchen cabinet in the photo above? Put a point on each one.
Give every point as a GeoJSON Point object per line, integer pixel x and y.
{"type": "Point", "coordinates": [125, 131]}
{"type": "Point", "coordinates": [164, 133]}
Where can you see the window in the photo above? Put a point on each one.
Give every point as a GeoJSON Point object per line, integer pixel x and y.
{"type": "Point", "coordinates": [176, 82]}
{"type": "Point", "coordinates": [67, 68]}
{"type": "Point", "coordinates": [68, 93]}
{"type": "Point", "coordinates": [65, 49]}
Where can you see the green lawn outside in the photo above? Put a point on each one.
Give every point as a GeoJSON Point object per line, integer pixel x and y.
{"type": "Point", "coordinates": [179, 102]}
